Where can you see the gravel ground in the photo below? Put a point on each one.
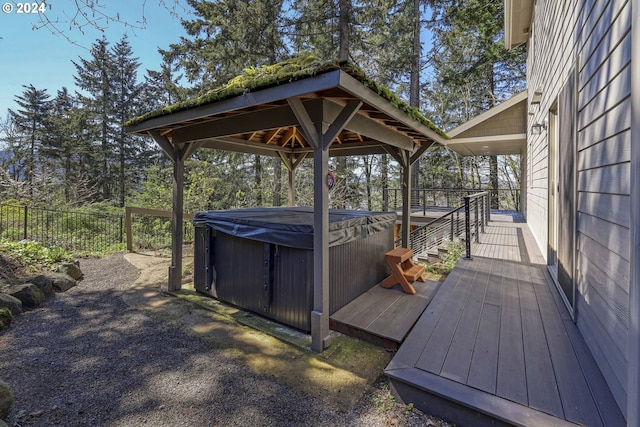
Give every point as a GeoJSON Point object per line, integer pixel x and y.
{"type": "Point", "coordinates": [85, 358]}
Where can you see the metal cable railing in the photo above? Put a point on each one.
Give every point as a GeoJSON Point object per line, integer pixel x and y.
{"type": "Point", "coordinates": [425, 198]}
{"type": "Point", "coordinates": [464, 223]}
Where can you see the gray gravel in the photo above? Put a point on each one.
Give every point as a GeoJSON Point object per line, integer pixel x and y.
{"type": "Point", "coordinates": [85, 358]}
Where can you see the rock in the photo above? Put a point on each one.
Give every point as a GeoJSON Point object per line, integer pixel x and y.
{"type": "Point", "coordinates": [28, 293]}
{"type": "Point", "coordinates": [5, 318]}
{"type": "Point", "coordinates": [72, 269]}
{"type": "Point", "coordinates": [3, 424]}
{"type": "Point", "coordinates": [6, 399]}
{"type": "Point", "coordinates": [62, 282]}
{"type": "Point", "coordinates": [45, 283]}
{"type": "Point", "coordinates": [10, 302]}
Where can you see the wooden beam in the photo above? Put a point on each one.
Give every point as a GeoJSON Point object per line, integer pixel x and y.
{"type": "Point", "coordinates": [306, 124]}
{"type": "Point", "coordinates": [340, 122]}
{"type": "Point", "coordinates": [291, 162]}
{"type": "Point", "coordinates": [268, 137]}
{"type": "Point", "coordinates": [253, 121]}
{"type": "Point", "coordinates": [242, 146]}
{"type": "Point", "coordinates": [164, 144]}
{"type": "Point", "coordinates": [288, 135]}
{"type": "Point", "coordinates": [394, 152]}
{"type": "Point", "coordinates": [191, 148]}
{"type": "Point", "coordinates": [420, 151]}
{"type": "Point", "coordinates": [356, 88]}
{"type": "Point", "coordinates": [246, 100]}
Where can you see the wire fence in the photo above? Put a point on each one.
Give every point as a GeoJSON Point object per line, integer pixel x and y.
{"type": "Point", "coordinates": [88, 232]}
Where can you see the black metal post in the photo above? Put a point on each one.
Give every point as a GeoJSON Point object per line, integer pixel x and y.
{"type": "Point", "coordinates": [483, 208]}
{"type": "Point", "coordinates": [467, 227]}
{"type": "Point", "coordinates": [424, 202]}
{"type": "Point", "coordinates": [452, 230]}
{"type": "Point", "coordinates": [25, 224]}
{"type": "Point", "coordinates": [477, 221]}
{"type": "Point", "coordinates": [488, 210]}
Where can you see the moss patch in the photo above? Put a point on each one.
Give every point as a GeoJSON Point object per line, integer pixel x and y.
{"type": "Point", "coordinates": [297, 68]}
{"type": "Point", "coordinates": [5, 318]}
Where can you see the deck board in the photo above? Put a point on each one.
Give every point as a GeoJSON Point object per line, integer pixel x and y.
{"type": "Point", "coordinates": [511, 381]}
{"type": "Point", "coordinates": [388, 314]}
{"type": "Point", "coordinates": [497, 343]}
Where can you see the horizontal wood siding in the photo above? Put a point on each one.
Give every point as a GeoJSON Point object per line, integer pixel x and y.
{"type": "Point", "coordinates": [596, 37]}
{"type": "Point", "coordinates": [604, 176]}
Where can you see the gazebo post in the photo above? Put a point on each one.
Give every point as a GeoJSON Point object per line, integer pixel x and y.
{"type": "Point", "coordinates": [320, 133]}
{"type": "Point", "coordinates": [320, 314]}
{"type": "Point", "coordinates": [175, 269]}
{"type": "Point", "coordinates": [406, 198]}
{"type": "Point", "coordinates": [291, 163]}
{"type": "Point", "coordinates": [177, 154]}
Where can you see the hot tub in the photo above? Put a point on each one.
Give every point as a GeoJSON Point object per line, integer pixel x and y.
{"type": "Point", "coordinates": [261, 260]}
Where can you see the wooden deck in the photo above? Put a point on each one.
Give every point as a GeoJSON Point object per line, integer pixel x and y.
{"type": "Point", "coordinates": [496, 345]}
{"type": "Point", "coordinates": [507, 237]}
{"type": "Point", "coordinates": [384, 316]}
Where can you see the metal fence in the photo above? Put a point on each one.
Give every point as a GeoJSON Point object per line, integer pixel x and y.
{"type": "Point", "coordinates": [90, 232]}
{"type": "Point", "coordinates": [464, 224]}
{"type": "Point", "coordinates": [73, 231]}
{"type": "Point", "coordinates": [424, 198]}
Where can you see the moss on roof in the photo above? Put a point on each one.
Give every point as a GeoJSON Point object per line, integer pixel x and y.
{"type": "Point", "coordinates": [297, 68]}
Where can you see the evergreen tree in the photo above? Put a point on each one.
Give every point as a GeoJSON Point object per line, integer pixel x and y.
{"type": "Point", "coordinates": [314, 27]}
{"type": "Point", "coordinates": [95, 77]}
{"type": "Point", "coordinates": [31, 123]}
{"type": "Point", "coordinates": [226, 37]}
{"type": "Point", "coordinates": [162, 88]}
{"type": "Point", "coordinates": [472, 71]}
{"type": "Point", "coordinates": [126, 104]}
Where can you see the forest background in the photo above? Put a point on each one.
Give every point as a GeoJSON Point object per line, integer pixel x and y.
{"type": "Point", "coordinates": [68, 149]}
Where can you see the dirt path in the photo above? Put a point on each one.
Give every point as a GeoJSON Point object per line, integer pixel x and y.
{"type": "Point", "coordinates": [117, 351]}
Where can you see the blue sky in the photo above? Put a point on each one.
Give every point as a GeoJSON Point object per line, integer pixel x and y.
{"type": "Point", "coordinates": [38, 57]}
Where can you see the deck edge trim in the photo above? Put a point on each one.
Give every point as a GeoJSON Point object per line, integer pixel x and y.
{"type": "Point", "coordinates": [477, 400]}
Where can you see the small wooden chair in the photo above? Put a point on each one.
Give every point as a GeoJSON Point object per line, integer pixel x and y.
{"type": "Point", "coordinates": [403, 270]}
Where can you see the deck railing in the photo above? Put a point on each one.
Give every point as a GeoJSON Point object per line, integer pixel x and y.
{"type": "Point", "coordinates": [424, 198]}
{"type": "Point", "coordinates": [464, 223]}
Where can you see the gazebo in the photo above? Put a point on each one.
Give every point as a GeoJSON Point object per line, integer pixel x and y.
{"type": "Point", "coordinates": [291, 110]}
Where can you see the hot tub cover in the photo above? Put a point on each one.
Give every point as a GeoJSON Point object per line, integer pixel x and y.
{"type": "Point", "coordinates": [293, 226]}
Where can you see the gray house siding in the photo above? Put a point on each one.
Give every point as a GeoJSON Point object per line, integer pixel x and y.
{"type": "Point", "coordinates": [595, 36]}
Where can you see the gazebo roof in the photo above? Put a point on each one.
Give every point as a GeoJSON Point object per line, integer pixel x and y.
{"type": "Point", "coordinates": [252, 114]}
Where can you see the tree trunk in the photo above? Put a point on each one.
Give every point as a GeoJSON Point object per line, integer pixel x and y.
{"type": "Point", "coordinates": [341, 174]}
{"type": "Point", "coordinates": [493, 179]}
{"type": "Point", "coordinates": [344, 11]}
{"type": "Point", "coordinates": [367, 174]}
{"type": "Point", "coordinates": [414, 84]}
{"type": "Point", "coordinates": [258, 180]}
{"type": "Point", "coordinates": [277, 181]}
{"type": "Point", "coordinates": [384, 174]}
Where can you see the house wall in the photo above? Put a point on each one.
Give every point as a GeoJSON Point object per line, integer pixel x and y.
{"type": "Point", "coordinates": [595, 36]}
